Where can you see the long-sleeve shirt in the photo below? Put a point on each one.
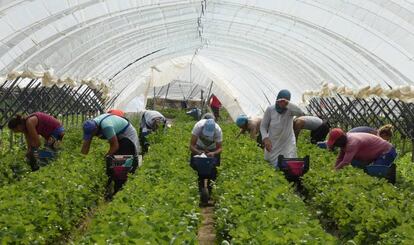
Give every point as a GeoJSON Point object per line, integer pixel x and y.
{"type": "Point", "coordinates": [279, 129]}
{"type": "Point", "coordinates": [311, 122]}
{"type": "Point", "coordinates": [363, 147]}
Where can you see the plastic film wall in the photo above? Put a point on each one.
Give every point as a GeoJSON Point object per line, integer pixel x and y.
{"type": "Point", "coordinates": [250, 48]}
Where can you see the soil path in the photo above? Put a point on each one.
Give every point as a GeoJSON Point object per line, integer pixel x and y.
{"type": "Point", "coordinates": [207, 232]}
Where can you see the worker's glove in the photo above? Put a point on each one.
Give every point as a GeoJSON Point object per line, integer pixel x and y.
{"type": "Point", "coordinates": [33, 153]}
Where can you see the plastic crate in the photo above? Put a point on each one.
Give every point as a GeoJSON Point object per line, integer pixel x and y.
{"type": "Point", "coordinates": [120, 172]}
{"type": "Point", "coordinates": [204, 165]}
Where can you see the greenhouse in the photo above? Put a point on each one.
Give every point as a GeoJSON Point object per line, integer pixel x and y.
{"type": "Point", "coordinates": [206, 122]}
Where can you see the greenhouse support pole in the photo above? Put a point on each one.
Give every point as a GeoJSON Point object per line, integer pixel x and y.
{"type": "Point", "coordinates": [403, 145]}
{"type": "Point", "coordinates": [166, 94]}
{"type": "Point", "coordinates": [412, 150]}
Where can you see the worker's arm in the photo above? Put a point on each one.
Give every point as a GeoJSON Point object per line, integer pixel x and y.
{"type": "Point", "coordinates": [32, 135]}
{"type": "Point", "coordinates": [294, 110]}
{"type": "Point", "coordinates": [348, 155]}
{"type": "Point", "coordinates": [193, 145]}
{"type": "Point", "coordinates": [217, 151]}
{"type": "Point", "coordinates": [242, 131]}
{"type": "Point", "coordinates": [85, 146]}
{"type": "Point", "coordinates": [264, 130]}
{"type": "Point", "coordinates": [113, 145]}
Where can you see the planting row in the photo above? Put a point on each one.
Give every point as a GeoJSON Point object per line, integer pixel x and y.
{"type": "Point", "coordinates": [358, 206]}
{"type": "Point", "coordinates": [51, 201]}
{"type": "Point", "coordinates": [255, 204]}
{"type": "Point", "coordinates": [159, 204]}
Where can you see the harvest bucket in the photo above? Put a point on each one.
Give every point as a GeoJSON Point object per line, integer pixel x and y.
{"type": "Point", "coordinates": [204, 165]}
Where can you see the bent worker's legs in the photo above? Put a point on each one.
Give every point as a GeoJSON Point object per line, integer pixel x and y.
{"type": "Point", "coordinates": [216, 112]}
{"type": "Point", "coordinates": [57, 136]}
{"type": "Point", "coordinates": [143, 141]}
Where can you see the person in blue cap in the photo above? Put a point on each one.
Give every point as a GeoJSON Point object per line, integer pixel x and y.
{"type": "Point", "coordinates": [206, 138]}
{"type": "Point", "coordinates": [250, 125]}
{"type": "Point", "coordinates": [277, 128]}
{"type": "Point", "coordinates": [121, 136]}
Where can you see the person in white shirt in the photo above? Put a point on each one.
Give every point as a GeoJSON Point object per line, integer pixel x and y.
{"type": "Point", "coordinates": [277, 128]}
{"type": "Point", "coordinates": [319, 128]}
{"type": "Point", "coordinates": [150, 122]}
{"type": "Point", "coordinates": [206, 138]}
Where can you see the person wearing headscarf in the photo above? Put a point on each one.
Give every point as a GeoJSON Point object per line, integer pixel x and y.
{"type": "Point", "coordinates": [277, 128]}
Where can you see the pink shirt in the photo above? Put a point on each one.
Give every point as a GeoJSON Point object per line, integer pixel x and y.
{"type": "Point", "coordinates": [46, 124]}
{"type": "Point", "coordinates": [363, 147]}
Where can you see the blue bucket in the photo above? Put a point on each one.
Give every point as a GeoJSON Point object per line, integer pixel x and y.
{"type": "Point", "coordinates": [204, 165]}
{"type": "Point", "coordinates": [46, 154]}
{"type": "Point", "coordinates": [378, 170]}
{"type": "Point", "coordinates": [322, 144]}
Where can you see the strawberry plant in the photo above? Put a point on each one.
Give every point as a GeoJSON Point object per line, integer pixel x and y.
{"type": "Point", "coordinates": [255, 204]}
{"type": "Point", "coordinates": [361, 207]}
{"type": "Point", "coordinates": [49, 202]}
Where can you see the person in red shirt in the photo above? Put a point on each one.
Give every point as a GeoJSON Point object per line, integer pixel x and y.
{"type": "Point", "coordinates": [360, 149]}
{"type": "Point", "coordinates": [215, 105]}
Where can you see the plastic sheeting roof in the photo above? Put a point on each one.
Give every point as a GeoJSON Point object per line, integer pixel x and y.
{"type": "Point", "coordinates": [250, 48]}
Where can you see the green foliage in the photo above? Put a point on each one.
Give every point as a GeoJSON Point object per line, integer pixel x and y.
{"type": "Point", "coordinates": [359, 206]}
{"type": "Point", "coordinates": [159, 204]}
{"type": "Point", "coordinates": [176, 115]}
{"type": "Point", "coordinates": [49, 202]}
{"type": "Point", "coordinates": [256, 205]}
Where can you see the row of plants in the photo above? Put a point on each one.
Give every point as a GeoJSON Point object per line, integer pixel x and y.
{"type": "Point", "coordinates": [359, 207]}
{"type": "Point", "coordinates": [13, 166]}
{"type": "Point", "coordinates": [255, 203]}
{"type": "Point", "coordinates": [159, 203]}
{"type": "Point", "coordinates": [51, 201]}
{"type": "Point", "coordinates": [403, 234]}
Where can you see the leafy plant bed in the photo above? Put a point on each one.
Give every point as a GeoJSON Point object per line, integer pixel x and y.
{"type": "Point", "coordinates": [49, 203]}
{"type": "Point", "coordinates": [360, 206]}
{"type": "Point", "coordinates": [159, 204]}
{"type": "Point", "coordinates": [255, 204]}
{"type": "Point", "coordinates": [13, 166]}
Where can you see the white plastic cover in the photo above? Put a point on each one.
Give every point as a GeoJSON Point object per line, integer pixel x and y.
{"type": "Point", "coordinates": [249, 48]}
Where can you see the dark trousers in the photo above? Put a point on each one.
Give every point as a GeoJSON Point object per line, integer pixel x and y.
{"type": "Point", "coordinates": [143, 141]}
{"type": "Point", "coordinates": [216, 112]}
{"type": "Point", "coordinates": [210, 177]}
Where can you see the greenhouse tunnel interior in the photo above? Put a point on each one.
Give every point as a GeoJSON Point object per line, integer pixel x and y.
{"type": "Point", "coordinates": [249, 49]}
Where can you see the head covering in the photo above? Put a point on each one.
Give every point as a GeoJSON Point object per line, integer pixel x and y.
{"type": "Point", "coordinates": [117, 112]}
{"type": "Point", "coordinates": [241, 120]}
{"type": "Point", "coordinates": [334, 135]}
{"type": "Point", "coordinates": [88, 127]}
{"type": "Point", "coordinates": [209, 127]}
{"type": "Point", "coordinates": [283, 94]}
{"type": "Point", "coordinates": [208, 115]}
